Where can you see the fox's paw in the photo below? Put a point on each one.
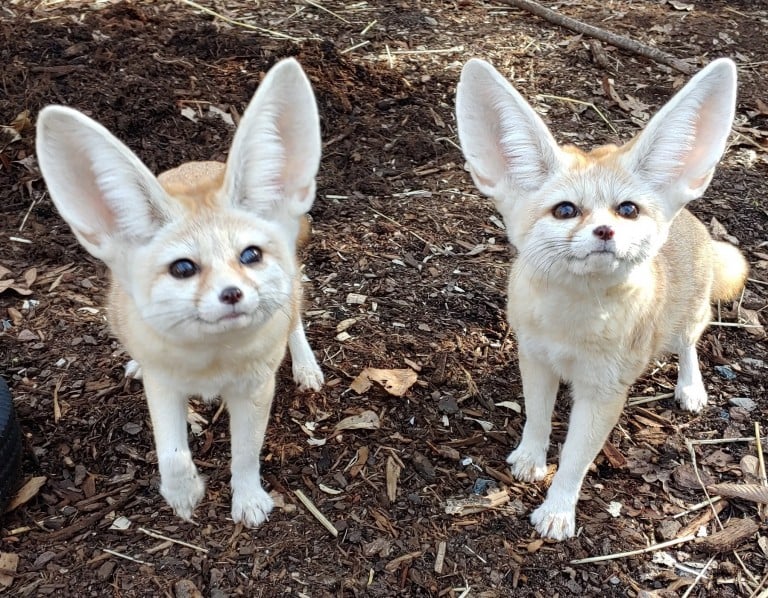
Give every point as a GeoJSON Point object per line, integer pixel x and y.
{"type": "Point", "coordinates": [251, 505]}
{"type": "Point", "coordinates": [183, 493]}
{"type": "Point", "coordinates": [553, 521]}
{"type": "Point", "coordinates": [308, 376]}
{"type": "Point", "coordinates": [133, 370]}
{"type": "Point", "coordinates": [527, 466]}
{"type": "Point", "coordinates": [691, 397]}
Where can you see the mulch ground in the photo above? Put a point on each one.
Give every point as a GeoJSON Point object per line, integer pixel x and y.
{"type": "Point", "coordinates": [406, 269]}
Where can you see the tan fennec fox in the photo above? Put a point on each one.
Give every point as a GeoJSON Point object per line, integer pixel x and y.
{"type": "Point", "coordinates": [611, 268]}
{"type": "Point", "coordinates": [205, 283]}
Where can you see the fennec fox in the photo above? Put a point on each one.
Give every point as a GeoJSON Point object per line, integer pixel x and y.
{"type": "Point", "coordinates": [611, 268]}
{"type": "Point", "coordinates": [205, 288]}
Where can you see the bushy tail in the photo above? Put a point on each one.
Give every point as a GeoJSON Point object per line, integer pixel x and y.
{"type": "Point", "coordinates": [730, 269]}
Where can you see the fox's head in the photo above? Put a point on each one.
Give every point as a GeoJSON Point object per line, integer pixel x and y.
{"type": "Point", "coordinates": [603, 212]}
{"type": "Point", "coordinates": [205, 248]}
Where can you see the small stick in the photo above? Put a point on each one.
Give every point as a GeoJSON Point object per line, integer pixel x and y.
{"type": "Point", "coordinates": [316, 512]}
{"type": "Point", "coordinates": [698, 578]}
{"type": "Point", "coordinates": [330, 12]}
{"type": "Point", "coordinates": [588, 105]}
{"type": "Point", "coordinates": [126, 557]}
{"type": "Point", "coordinates": [695, 465]}
{"type": "Point", "coordinates": [436, 51]}
{"type": "Point", "coordinates": [619, 555]}
{"type": "Point", "coordinates": [620, 41]}
{"type": "Point", "coordinates": [632, 401]}
{"type": "Point", "coordinates": [698, 507]}
{"type": "Point", "coordinates": [762, 510]}
{"type": "Point", "coordinates": [371, 24]}
{"type": "Point", "coordinates": [159, 536]}
{"type": "Point", "coordinates": [355, 47]}
{"type": "Point", "coordinates": [703, 519]}
{"type": "Point", "coordinates": [213, 13]}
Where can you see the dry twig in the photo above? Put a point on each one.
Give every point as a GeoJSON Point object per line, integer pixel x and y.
{"type": "Point", "coordinates": [619, 555]}
{"type": "Point", "coordinates": [620, 41]}
{"type": "Point", "coordinates": [316, 513]}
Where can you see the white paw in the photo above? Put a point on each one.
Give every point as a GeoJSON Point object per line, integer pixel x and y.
{"type": "Point", "coordinates": [527, 466]}
{"type": "Point", "coordinates": [554, 521]}
{"type": "Point", "coordinates": [183, 493]}
{"type": "Point", "coordinates": [691, 397]}
{"type": "Point", "coordinates": [251, 505]}
{"type": "Point", "coordinates": [308, 376]}
{"type": "Point", "coordinates": [133, 370]}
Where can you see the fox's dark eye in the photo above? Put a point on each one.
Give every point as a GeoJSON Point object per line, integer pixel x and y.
{"type": "Point", "coordinates": [250, 255]}
{"type": "Point", "coordinates": [565, 210]}
{"type": "Point", "coordinates": [183, 268]}
{"type": "Point", "coordinates": [628, 210]}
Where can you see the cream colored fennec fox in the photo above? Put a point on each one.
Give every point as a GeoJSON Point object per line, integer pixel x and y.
{"type": "Point", "coordinates": [611, 268]}
{"type": "Point", "coordinates": [205, 283]}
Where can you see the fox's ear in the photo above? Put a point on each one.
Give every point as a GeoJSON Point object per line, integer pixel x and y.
{"type": "Point", "coordinates": [507, 145]}
{"type": "Point", "coordinates": [102, 190]}
{"type": "Point", "coordinates": [677, 152]}
{"type": "Point", "coordinates": [275, 154]}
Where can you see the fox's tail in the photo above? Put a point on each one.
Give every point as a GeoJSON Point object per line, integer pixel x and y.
{"type": "Point", "coordinates": [730, 269]}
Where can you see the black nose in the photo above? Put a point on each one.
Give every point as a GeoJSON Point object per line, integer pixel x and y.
{"type": "Point", "coordinates": [604, 233]}
{"type": "Point", "coordinates": [230, 295]}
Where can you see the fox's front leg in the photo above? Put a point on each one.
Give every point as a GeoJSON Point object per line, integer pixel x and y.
{"type": "Point", "coordinates": [248, 417]}
{"type": "Point", "coordinates": [180, 484]}
{"type": "Point", "coordinates": [306, 372]}
{"type": "Point", "coordinates": [528, 462]}
{"type": "Point", "coordinates": [596, 410]}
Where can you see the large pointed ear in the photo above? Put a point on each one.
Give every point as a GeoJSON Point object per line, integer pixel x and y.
{"type": "Point", "coordinates": [507, 145]}
{"type": "Point", "coordinates": [677, 152]}
{"type": "Point", "coordinates": [275, 154]}
{"type": "Point", "coordinates": [103, 191]}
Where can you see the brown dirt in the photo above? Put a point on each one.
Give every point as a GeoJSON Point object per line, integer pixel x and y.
{"type": "Point", "coordinates": [396, 219]}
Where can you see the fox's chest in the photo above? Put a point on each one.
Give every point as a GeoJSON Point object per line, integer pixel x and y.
{"type": "Point", "coordinates": [576, 332]}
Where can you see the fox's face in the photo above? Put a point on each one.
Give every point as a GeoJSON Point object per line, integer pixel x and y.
{"type": "Point", "coordinates": [590, 219]}
{"type": "Point", "coordinates": [205, 248]}
{"type": "Point", "coordinates": [203, 276]}
{"type": "Point", "coordinates": [598, 213]}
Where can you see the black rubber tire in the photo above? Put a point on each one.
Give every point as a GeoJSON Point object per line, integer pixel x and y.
{"type": "Point", "coordinates": [10, 448]}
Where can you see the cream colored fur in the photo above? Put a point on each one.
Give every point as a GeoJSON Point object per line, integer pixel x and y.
{"type": "Point", "coordinates": [594, 295]}
{"type": "Point", "coordinates": [221, 330]}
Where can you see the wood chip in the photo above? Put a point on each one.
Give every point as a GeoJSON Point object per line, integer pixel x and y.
{"type": "Point", "coordinates": [393, 475]}
{"type": "Point", "coordinates": [440, 559]}
{"type": "Point", "coordinates": [8, 564]}
{"type": "Point", "coordinates": [27, 492]}
{"type": "Point", "coordinates": [733, 535]}
{"type": "Point", "coordinates": [394, 564]}
{"type": "Point", "coordinates": [614, 456]}
{"type": "Point", "coordinates": [476, 504]}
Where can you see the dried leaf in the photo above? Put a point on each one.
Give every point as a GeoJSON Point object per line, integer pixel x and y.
{"type": "Point", "coordinates": [367, 420]}
{"type": "Point", "coordinates": [395, 382]}
{"type": "Point", "coordinates": [677, 5]}
{"type": "Point", "coordinates": [329, 490]}
{"type": "Point", "coordinates": [360, 461]}
{"type": "Point", "coordinates": [513, 405]}
{"type": "Point", "coordinates": [30, 276]}
{"type": "Point", "coordinates": [27, 492]}
{"type": "Point", "coordinates": [751, 492]}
